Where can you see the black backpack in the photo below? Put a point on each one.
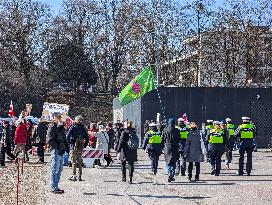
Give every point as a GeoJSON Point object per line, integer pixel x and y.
{"type": "Point", "coordinates": [133, 141]}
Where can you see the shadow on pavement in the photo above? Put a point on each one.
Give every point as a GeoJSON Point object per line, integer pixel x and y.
{"type": "Point", "coordinates": [89, 194]}
{"type": "Point", "coordinates": [201, 184]}
{"type": "Point", "coordinates": [162, 196]}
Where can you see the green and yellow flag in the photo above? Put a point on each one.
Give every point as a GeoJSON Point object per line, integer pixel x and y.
{"type": "Point", "coordinates": [140, 85]}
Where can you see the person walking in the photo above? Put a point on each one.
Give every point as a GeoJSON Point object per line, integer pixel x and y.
{"type": "Point", "coordinates": [216, 144]}
{"type": "Point", "coordinates": [245, 135]}
{"type": "Point", "coordinates": [28, 146]}
{"type": "Point", "coordinates": [152, 145]}
{"type": "Point", "coordinates": [6, 142]}
{"type": "Point", "coordinates": [39, 136]}
{"type": "Point", "coordinates": [207, 129]}
{"type": "Point", "coordinates": [78, 139]}
{"type": "Point", "coordinates": [20, 138]}
{"type": "Point", "coordinates": [58, 145]}
{"type": "Point", "coordinates": [193, 150]}
{"type": "Point", "coordinates": [127, 150]}
{"type": "Point", "coordinates": [183, 131]}
{"type": "Point", "coordinates": [170, 144]}
{"type": "Point", "coordinates": [231, 141]}
{"type": "Point", "coordinates": [118, 132]}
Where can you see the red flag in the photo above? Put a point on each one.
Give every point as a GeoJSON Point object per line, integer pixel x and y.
{"type": "Point", "coordinates": [185, 119]}
{"type": "Point", "coordinates": [11, 110]}
{"type": "Point", "coordinates": [68, 121]}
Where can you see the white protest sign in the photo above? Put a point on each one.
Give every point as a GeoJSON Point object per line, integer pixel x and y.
{"type": "Point", "coordinates": [50, 108]}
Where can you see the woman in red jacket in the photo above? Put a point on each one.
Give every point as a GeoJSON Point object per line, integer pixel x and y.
{"type": "Point", "coordinates": [20, 138]}
{"type": "Point", "coordinates": [91, 131]}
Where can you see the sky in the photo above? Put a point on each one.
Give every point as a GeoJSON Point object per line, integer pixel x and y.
{"type": "Point", "coordinates": [56, 4]}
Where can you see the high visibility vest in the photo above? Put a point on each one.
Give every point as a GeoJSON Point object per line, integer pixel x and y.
{"type": "Point", "coordinates": [216, 137]}
{"type": "Point", "coordinates": [247, 131]}
{"type": "Point", "coordinates": [155, 137]}
{"type": "Point", "coordinates": [209, 127]}
{"type": "Point", "coordinates": [231, 129]}
{"type": "Point", "coordinates": [183, 132]}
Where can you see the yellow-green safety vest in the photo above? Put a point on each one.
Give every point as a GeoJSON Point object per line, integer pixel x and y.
{"type": "Point", "coordinates": [183, 132]}
{"type": "Point", "coordinates": [231, 129]}
{"type": "Point", "coordinates": [155, 137]}
{"type": "Point", "coordinates": [247, 131]}
{"type": "Point", "coordinates": [216, 137]}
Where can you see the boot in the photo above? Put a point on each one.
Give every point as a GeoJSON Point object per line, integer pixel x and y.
{"type": "Point", "coordinates": [189, 178]}
{"type": "Point", "coordinates": [130, 180]}
{"type": "Point", "coordinates": [169, 179]}
{"type": "Point", "coordinates": [196, 177]}
{"type": "Point", "coordinates": [124, 179]}
{"type": "Point", "coordinates": [79, 178]}
{"type": "Point", "coordinates": [73, 178]}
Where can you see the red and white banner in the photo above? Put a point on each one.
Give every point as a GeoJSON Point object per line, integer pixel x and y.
{"type": "Point", "coordinates": [11, 110]}
{"type": "Point", "coordinates": [93, 153]}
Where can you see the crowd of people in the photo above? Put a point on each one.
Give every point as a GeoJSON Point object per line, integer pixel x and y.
{"type": "Point", "coordinates": [184, 142]}
{"type": "Point", "coordinates": [180, 142]}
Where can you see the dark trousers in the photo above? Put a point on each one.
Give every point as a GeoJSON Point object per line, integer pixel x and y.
{"type": "Point", "coordinates": [215, 157]}
{"type": "Point", "coordinates": [130, 168]}
{"type": "Point", "coordinates": [190, 168]}
{"type": "Point", "coordinates": [229, 152]}
{"type": "Point", "coordinates": [154, 158]}
{"type": "Point", "coordinates": [181, 164]}
{"type": "Point", "coordinates": [249, 160]}
{"type": "Point", "coordinates": [4, 150]}
{"type": "Point", "coordinates": [40, 151]}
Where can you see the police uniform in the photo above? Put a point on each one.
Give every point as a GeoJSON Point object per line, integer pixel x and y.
{"type": "Point", "coordinates": [245, 135]}
{"type": "Point", "coordinates": [152, 144]}
{"type": "Point", "coordinates": [231, 141]}
{"type": "Point", "coordinates": [216, 145]}
{"type": "Point", "coordinates": [209, 126]}
{"type": "Point", "coordinates": [183, 133]}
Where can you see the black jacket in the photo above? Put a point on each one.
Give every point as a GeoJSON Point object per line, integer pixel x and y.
{"type": "Point", "coordinates": [56, 138]}
{"type": "Point", "coordinates": [126, 154]}
{"type": "Point", "coordinates": [170, 143]}
{"type": "Point", "coordinates": [117, 137]}
{"type": "Point", "coordinates": [6, 135]}
{"type": "Point", "coordinates": [40, 132]}
{"type": "Point", "coordinates": [75, 131]}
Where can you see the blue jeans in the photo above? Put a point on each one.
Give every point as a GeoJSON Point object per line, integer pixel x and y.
{"type": "Point", "coordinates": [65, 159]}
{"type": "Point", "coordinates": [56, 169]}
{"type": "Point", "coordinates": [171, 169]}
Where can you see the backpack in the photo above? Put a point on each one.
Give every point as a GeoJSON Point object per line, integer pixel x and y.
{"type": "Point", "coordinates": [133, 141]}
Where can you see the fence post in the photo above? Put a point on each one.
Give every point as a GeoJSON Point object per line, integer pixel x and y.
{"type": "Point", "coordinates": [18, 181]}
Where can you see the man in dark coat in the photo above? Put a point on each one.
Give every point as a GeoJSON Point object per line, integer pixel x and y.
{"type": "Point", "coordinates": [58, 145]}
{"type": "Point", "coordinates": [39, 136]}
{"type": "Point", "coordinates": [6, 142]}
{"type": "Point", "coordinates": [126, 154]}
{"type": "Point", "coordinates": [118, 132]}
{"type": "Point", "coordinates": [170, 143]}
{"type": "Point", "coordinates": [78, 139]}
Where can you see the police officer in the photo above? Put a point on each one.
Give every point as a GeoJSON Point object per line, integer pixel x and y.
{"type": "Point", "coordinates": [245, 135]}
{"type": "Point", "coordinates": [231, 141]}
{"type": "Point", "coordinates": [152, 145]}
{"type": "Point", "coordinates": [183, 133]}
{"type": "Point", "coordinates": [209, 126]}
{"type": "Point", "coordinates": [216, 144]}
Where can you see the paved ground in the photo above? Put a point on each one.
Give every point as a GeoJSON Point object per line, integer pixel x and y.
{"type": "Point", "coordinates": [104, 186]}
